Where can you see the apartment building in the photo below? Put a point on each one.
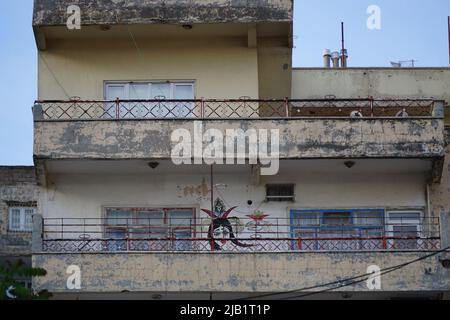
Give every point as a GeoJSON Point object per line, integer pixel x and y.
{"type": "Point", "coordinates": [362, 178]}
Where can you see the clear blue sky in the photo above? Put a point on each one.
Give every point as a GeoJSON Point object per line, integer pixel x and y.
{"type": "Point", "coordinates": [410, 29]}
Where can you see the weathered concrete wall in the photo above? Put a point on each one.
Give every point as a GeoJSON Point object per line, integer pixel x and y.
{"type": "Point", "coordinates": [54, 12]}
{"type": "Point", "coordinates": [236, 272]}
{"type": "Point", "coordinates": [274, 70]}
{"type": "Point", "coordinates": [440, 196]}
{"type": "Point", "coordinates": [421, 83]}
{"type": "Point", "coordinates": [17, 189]}
{"type": "Point", "coordinates": [299, 138]}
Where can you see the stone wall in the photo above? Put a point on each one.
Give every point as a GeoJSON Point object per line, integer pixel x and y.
{"type": "Point", "coordinates": [17, 189]}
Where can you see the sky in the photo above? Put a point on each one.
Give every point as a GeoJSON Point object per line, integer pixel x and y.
{"type": "Point", "coordinates": [409, 29]}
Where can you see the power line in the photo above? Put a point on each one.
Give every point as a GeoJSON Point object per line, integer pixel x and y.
{"type": "Point", "coordinates": [340, 284]}
{"type": "Point", "coordinates": [134, 42]}
{"type": "Point", "coordinates": [386, 271]}
{"type": "Point", "coordinates": [53, 75]}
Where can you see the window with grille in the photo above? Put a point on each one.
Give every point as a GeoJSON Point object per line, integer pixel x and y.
{"type": "Point", "coordinates": [184, 91]}
{"type": "Point", "coordinates": [156, 225]}
{"type": "Point", "coordinates": [404, 229]}
{"type": "Point", "coordinates": [21, 219]}
{"type": "Point", "coordinates": [338, 229]}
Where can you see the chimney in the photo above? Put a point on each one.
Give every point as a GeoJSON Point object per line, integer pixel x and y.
{"type": "Point", "coordinates": [327, 58]}
{"type": "Point", "coordinates": [335, 57]}
{"type": "Point", "coordinates": [344, 56]}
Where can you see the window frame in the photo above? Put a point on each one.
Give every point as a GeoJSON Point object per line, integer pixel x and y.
{"type": "Point", "coordinates": [391, 223]}
{"type": "Point", "coordinates": [134, 225]}
{"type": "Point", "coordinates": [146, 109]}
{"type": "Point", "coordinates": [321, 226]}
{"type": "Point", "coordinates": [22, 219]}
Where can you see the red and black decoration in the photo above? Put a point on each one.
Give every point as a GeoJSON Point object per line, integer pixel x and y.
{"type": "Point", "coordinates": [221, 228]}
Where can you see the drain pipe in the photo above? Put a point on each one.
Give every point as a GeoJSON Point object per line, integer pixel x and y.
{"type": "Point", "coordinates": [429, 208]}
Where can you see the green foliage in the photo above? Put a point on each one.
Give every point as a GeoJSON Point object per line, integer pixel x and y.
{"type": "Point", "coordinates": [10, 272]}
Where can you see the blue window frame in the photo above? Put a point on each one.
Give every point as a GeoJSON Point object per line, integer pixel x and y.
{"type": "Point", "coordinates": [335, 223]}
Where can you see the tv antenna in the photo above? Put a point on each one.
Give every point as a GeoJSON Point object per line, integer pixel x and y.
{"type": "Point", "coordinates": [404, 64]}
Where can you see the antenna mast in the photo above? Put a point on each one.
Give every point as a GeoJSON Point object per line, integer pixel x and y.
{"type": "Point", "coordinates": [343, 46]}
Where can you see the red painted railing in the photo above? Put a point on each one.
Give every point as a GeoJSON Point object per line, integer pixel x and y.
{"type": "Point", "coordinates": [241, 235]}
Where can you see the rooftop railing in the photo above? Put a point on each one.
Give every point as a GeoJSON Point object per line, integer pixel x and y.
{"type": "Point", "coordinates": [76, 109]}
{"type": "Point", "coordinates": [236, 234]}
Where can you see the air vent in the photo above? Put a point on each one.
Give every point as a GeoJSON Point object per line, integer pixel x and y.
{"type": "Point", "coordinates": [280, 192]}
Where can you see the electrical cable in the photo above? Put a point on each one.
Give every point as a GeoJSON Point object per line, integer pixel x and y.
{"type": "Point", "coordinates": [53, 75]}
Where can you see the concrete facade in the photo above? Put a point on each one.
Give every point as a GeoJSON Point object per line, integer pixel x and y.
{"type": "Point", "coordinates": [238, 273]}
{"type": "Point", "coordinates": [299, 138]}
{"type": "Point", "coordinates": [419, 83]}
{"type": "Point", "coordinates": [440, 196]}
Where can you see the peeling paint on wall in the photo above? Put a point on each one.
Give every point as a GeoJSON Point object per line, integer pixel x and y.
{"type": "Point", "coordinates": [221, 272]}
{"type": "Point", "coordinates": [299, 138]}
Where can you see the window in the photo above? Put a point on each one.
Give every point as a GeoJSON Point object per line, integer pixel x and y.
{"type": "Point", "coordinates": [21, 219]}
{"type": "Point", "coordinates": [337, 224]}
{"type": "Point", "coordinates": [403, 227]}
{"type": "Point", "coordinates": [337, 229]}
{"type": "Point", "coordinates": [162, 227]}
{"type": "Point", "coordinates": [280, 192]}
{"type": "Point", "coordinates": [177, 90]}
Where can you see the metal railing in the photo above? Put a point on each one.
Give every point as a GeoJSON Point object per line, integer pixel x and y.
{"type": "Point", "coordinates": [231, 109]}
{"type": "Point", "coordinates": [237, 234]}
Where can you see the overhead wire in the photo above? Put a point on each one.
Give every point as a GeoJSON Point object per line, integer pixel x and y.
{"type": "Point", "coordinates": [344, 282]}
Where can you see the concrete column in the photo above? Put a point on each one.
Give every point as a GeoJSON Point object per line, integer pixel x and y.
{"type": "Point", "coordinates": [38, 113]}
{"type": "Point", "coordinates": [36, 243]}
{"type": "Point", "coordinates": [445, 229]}
{"type": "Point", "coordinates": [438, 109]}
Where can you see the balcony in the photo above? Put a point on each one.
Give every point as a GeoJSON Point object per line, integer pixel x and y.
{"type": "Point", "coordinates": [309, 129]}
{"type": "Point", "coordinates": [273, 255]}
{"type": "Point", "coordinates": [307, 232]}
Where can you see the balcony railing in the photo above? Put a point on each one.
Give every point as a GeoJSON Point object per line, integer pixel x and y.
{"type": "Point", "coordinates": [239, 235]}
{"type": "Point", "coordinates": [231, 109]}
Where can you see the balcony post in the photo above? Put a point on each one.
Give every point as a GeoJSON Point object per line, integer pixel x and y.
{"type": "Point", "coordinates": [445, 229]}
{"type": "Point", "coordinates": [117, 108]}
{"type": "Point", "coordinates": [37, 241]}
{"type": "Point", "coordinates": [438, 109]}
{"type": "Point", "coordinates": [286, 106]}
{"type": "Point", "coordinates": [38, 112]}
{"type": "Point", "coordinates": [202, 108]}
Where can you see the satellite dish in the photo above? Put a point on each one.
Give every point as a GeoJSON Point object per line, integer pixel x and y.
{"type": "Point", "coordinates": [407, 63]}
